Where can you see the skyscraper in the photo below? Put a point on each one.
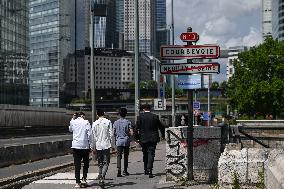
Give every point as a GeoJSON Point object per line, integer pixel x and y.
{"type": "Point", "coordinates": [105, 35]}
{"type": "Point", "coordinates": [278, 19]}
{"type": "Point", "coordinates": [147, 26]}
{"type": "Point", "coordinates": [50, 42]}
{"type": "Point", "coordinates": [161, 26]}
{"type": "Point", "coordinates": [14, 52]}
{"type": "Point", "coordinates": [266, 19]}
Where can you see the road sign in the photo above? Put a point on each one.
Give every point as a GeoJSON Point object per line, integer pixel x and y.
{"type": "Point", "coordinates": [191, 68]}
{"type": "Point", "coordinates": [189, 37]}
{"type": "Point", "coordinates": [159, 104]}
{"type": "Point", "coordinates": [189, 81]}
{"type": "Point", "coordinates": [189, 52]}
{"type": "Point", "coordinates": [196, 105]}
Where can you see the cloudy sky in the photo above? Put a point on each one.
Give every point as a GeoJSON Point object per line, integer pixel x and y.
{"type": "Point", "coordinates": [223, 22]}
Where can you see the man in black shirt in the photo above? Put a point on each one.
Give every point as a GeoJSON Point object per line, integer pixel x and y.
{"type": "Point", "coordinates": [147, 133]}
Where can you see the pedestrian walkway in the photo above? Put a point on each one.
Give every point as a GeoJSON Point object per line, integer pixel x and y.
{"type": "Point", "coordinates": [136, 179]}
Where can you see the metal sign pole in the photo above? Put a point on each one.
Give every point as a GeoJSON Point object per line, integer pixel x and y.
{"type": "Point", "coordinates": [190, 126]}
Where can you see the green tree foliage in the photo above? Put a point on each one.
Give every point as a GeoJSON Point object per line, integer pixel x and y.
{"type": "Point", "coordinates": [151, 84]}
{"type": "Point", "coordinates": [215, 85]}
{"type": "Point", "coordinates": [131, 85]}
{"type": "Point", "coordinates": [258, 82]}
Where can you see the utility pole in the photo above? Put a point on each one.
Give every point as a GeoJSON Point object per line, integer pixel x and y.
{"type": "Point", "coordinates": [92, 61]}
{"type": "Point", "coordinates": [136, 58]}
{"type": "Point", "coordinates": [173, 76]}
{"type": "Point", "coordinates": [190, 126]}
{"type": "Point", "coordinates": [75, 59]}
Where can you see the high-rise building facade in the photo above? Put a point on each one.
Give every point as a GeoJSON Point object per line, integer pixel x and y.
{"type": "Point", "coordinates": [147, 28]}
{"type": "Point", "coordinates": [278, 19]}
{"type": "Point", "coordinates": [14, 52]}
{"type": "Point", "coordinates": [161, 26]}
{"type": "Point", "coordinates": [266, 18]}
{"type": "Point", "coordinates": [232, 55]}
{"type": "Point", "coordinates": [105, 35]}
{"type": "Point", "coordinates": [50, 42]}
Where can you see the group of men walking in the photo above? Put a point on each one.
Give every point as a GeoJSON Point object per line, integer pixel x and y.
{"type": "Point", "coordinates": [98, 139]}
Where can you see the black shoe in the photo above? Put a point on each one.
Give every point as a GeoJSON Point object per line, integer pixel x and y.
{"type": "Point", "coordinates": [119, 174]}
{"type": "Point", "coordinates": [150, 174]}
{"type": "Point", "coordinates": [146, 172]}
{"type": "Point", "coordinates": [125, 173]}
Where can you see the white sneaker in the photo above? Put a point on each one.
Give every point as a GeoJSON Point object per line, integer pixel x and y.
{"type": "Point", "coordinates": [84, 181]}
{"type": "Point", "coordinates": [78, 185]}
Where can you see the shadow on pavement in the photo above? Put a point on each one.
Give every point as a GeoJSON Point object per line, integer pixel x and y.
{"type": "Point", "coordinates": [113, 185]}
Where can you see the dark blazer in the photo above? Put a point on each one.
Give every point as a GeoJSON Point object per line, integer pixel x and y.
{"type": "Point", "coordinates": [147, 126]}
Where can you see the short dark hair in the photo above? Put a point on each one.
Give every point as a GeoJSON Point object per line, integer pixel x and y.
{"type": "Point", "coordinates": [147, 107]}
{"type": "Point", "coordinates": [81, 114]}
{"type": "Point", "coordinates": [76, 114]}
{"type": "Point", "coordinates": [100, 112]}
{"type": "Point", "coordinates": [122, 112]}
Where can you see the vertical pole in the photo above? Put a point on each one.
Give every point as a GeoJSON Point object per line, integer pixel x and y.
{"type": "Point", "coordinates": [190, 126]}
{"type": "Point", "coordinates": [208, 109]}
{"type": "Point", "coordinates": [92, 62]}
{"type": "Point", "coordinates": [136, 61]}
{"type": "Point", "coordinates": [41, 94]}
{"type": "Point", "coordinates": [173, 76]}
{"type": "Point", "coordinates": [75, 64]}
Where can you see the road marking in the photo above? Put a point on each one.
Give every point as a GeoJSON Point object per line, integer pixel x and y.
{"type": "Point", "coordinates": [66, 178]}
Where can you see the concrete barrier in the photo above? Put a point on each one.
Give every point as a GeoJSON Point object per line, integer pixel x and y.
{"type": "Point", "coordinates": [206, 152]}
{"type": "Point", "coordinates": [31, 152]}
{"type": "Point", "coordinates": [249, 164]}
{"type": "Point", "coordinates": [274, 169]}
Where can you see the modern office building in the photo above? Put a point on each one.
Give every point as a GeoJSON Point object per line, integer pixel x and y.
{"type": "Point", "coordinates": [162, 33]}
{"type": "Point", "coordinates": [105, 35]}
{"type": "Point", "coordinates": [50, 42]}
{"type": "Point", "coordinates": [278, 19]}
{"type": "Point", "coordinates": [147, 28]}
{"type": "Point", "coordinates": [14, 52]}
{"type": "Point", "coordinates": [266, 18]}
{"type": "Point", "coordinates": [232, 55]}
{"type": "Point", "coordinates": [81, 22]}
{"type": "Point", "coordinates": [114, 69]}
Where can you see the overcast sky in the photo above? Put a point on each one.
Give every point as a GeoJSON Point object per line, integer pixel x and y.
{"type": "Point", "coordinates": [224, 22]}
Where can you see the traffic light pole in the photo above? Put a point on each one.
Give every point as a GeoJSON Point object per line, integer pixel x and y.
{"type": "Point", "coordinates": [190, 126]}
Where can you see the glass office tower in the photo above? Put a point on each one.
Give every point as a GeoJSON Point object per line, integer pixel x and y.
{"type": "Point", "coordinates": [278, 19]}
{"type": "Point", "coordinates": [14, 52]}
{"type": "Point", "coordinates": [105, 35]}
{"type": "Point", "coordinates": [50, 42]}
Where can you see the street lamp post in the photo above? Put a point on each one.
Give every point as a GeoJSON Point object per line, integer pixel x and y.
{"type": "Point", "coordinates": [136, 65]}
{"type": "Point", "coordinates": [92, 62]}
{"type": "Point", "coordinates": [173, 76]}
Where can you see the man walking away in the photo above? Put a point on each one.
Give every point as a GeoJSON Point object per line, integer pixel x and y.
{"type": "Point", "coordinates": [122, 132]}
{"type": "Point", "coordinates": [146, 131]}
{"type": "Point", "coordinates": [102, 132]}
{"type": "Point", "coordinates": [81, 144]}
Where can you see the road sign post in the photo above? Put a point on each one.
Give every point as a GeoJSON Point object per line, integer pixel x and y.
{"type": "Point", "coordinates": [190, 52]}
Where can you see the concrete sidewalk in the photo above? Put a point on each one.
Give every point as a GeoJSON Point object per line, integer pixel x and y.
{"type": "Point", "coordinates": [136, 179]}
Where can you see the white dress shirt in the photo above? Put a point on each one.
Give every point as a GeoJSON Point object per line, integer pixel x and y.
{"type": "Point", "coordinates": [82, 133]}
{"type": "Point", "coordinates": [102, 132]}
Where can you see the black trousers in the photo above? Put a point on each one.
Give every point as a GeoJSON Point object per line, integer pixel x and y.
{"type": "Point", "coordinates": [103, 161]}
{"type": "Point", "coordinates": [148, 150]}
{"type": "Point", "coordinates": [122, 150]}
{"type": "Point", "coordinates": [78, 155]}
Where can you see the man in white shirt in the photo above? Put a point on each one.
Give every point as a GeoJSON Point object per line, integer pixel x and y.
{"type": "Point", "coordinates": [102, 132]}
{"type": "Point", "coordinates": [81, 144]}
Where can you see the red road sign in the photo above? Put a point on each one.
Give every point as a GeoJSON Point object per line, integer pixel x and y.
{"type": "Point", "coordinates": [191, 68]}
{"type": "Point", "coordinates": [190, 36]}
{"type": "Point", "coordinates": [190, 52]}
